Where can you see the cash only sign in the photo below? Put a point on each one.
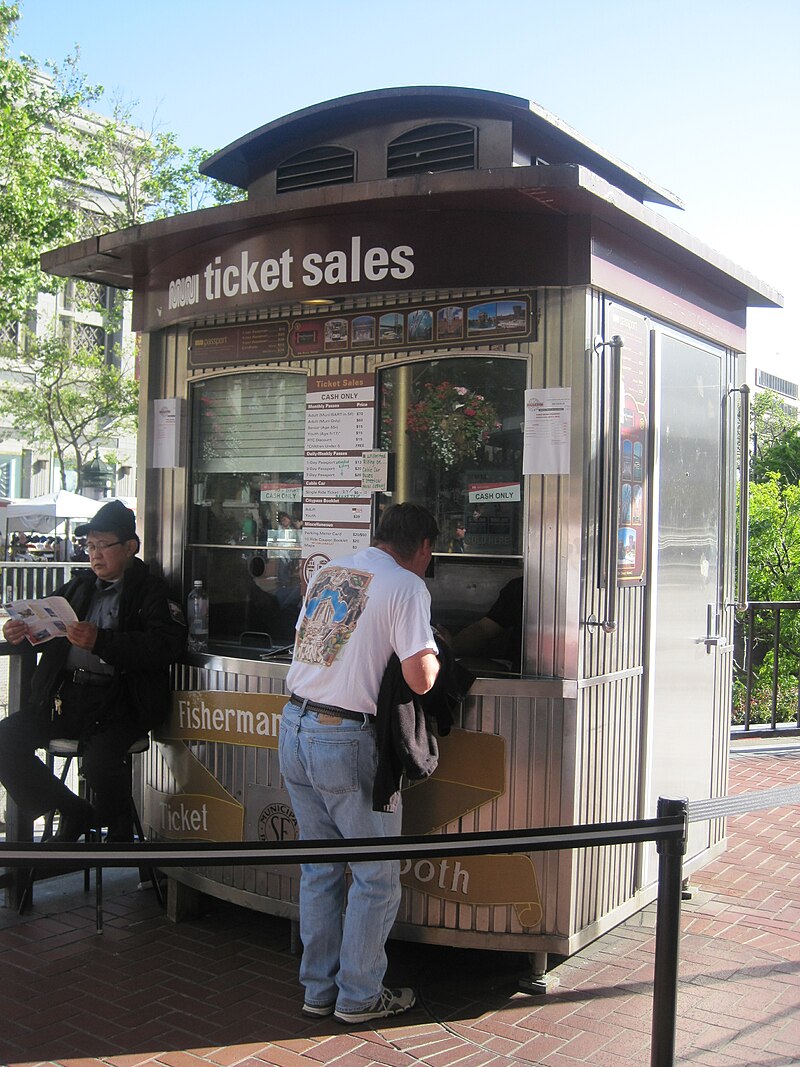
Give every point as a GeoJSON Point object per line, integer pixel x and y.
{"type": "Point", "coordinates": [471, 773]}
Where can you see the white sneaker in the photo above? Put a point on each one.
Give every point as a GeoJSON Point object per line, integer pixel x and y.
{"type": "Point", "coordinates": [390, 1002]}
{"type": "Point", "coordinates": [318, 1011]}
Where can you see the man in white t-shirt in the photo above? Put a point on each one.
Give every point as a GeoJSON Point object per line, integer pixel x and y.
{"type": "Point", "coordinates": [357, 612]}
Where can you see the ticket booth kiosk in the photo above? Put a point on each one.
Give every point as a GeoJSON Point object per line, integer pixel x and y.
{"type": "Point", "coordinates": [445, 295]}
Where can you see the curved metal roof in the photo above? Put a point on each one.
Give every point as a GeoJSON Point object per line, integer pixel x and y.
{"type": "Point", "coordinates": [121, 257]}
{"type": "Point", "coordinates": [246, 159]}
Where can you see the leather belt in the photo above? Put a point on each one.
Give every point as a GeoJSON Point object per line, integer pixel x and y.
{"type": "Point", "coordinates": [329, 709]}
{"type": "Point", "coordinates": [81, 677]}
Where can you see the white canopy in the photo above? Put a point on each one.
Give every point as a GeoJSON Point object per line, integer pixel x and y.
{"type": "Point", "coordinates": [42, 514]}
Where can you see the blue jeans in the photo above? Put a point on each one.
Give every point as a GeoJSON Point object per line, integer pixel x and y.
{"type": "Point", "coordinates": [329, 771]}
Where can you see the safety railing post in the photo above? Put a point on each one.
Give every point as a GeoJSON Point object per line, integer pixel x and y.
{"type": "Point", "coordinates": [668, 935]}
{"type": "Point", "coordinates": [19, 826]}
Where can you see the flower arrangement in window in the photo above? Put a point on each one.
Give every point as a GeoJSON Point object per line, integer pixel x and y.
{"type": "Point", "coordinates": [453, 420]}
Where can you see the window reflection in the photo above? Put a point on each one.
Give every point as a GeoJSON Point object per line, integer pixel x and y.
{"type": "Point", "coordinates": [454, 429]}
{"type": "Point", "coordinates": [245, 508]}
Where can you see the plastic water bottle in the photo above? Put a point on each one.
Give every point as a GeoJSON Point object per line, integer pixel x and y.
{"type": "Point", "coordinates": [197, 618]}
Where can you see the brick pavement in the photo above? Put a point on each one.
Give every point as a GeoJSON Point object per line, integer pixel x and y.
{"type": "Point", "coordinates": [222, 990]}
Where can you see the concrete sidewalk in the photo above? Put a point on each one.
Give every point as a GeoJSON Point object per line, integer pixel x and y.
{"type": "Point", "coordinates": [223, 989]}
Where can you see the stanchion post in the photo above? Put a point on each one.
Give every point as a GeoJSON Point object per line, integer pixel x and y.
{"type": "Point", "coordinates": [668, 936]}
{"type": "Point", "coordinates": [19, 827]}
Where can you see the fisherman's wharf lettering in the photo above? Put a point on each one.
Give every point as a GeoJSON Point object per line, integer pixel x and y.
{"type": "Point", "coordinates": [237, 718]}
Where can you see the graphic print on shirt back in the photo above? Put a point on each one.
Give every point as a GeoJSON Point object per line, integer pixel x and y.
{"type": "Point", "coordinates": [334, 605]}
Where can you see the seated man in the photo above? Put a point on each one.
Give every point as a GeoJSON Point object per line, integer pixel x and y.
{"type": "Point", "coordinates": [105, 684]}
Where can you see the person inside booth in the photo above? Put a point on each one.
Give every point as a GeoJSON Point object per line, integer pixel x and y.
{"type": "Point", "coordinates": [498, 635]}
{"type": "Point", "coordinates": [458, 544]}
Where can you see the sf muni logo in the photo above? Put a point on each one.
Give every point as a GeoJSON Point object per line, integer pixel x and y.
{"type": "Point", "coordinates": [277, 823]}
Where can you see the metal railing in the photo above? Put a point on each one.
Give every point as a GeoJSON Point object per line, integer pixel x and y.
{"type": "Point", "coordinates": [767, 670]}
{"type": "Point", "coordinates": [25, 580]}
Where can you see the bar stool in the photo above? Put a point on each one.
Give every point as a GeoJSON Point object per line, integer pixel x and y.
{"type": "Point", "coordinates": [66, 748]}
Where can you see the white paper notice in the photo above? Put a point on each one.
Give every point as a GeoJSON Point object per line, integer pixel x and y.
{"type": "Point", "coordinates": [340, 419]}
{"type": "Point", "coordinates": [547, 431]}
{"type": "Point", "coordinates": [323, 469]}
{"type": "Point", "coordinates": [167, 432]}
{"type": "Point", "coordinates": [324, 542]}
{"type": "Point", "coordinates": [337, 508]}
{"type": "Point", "coordinates": [374, 471]}
{"type": "Point", "coordinates": [339, 512]}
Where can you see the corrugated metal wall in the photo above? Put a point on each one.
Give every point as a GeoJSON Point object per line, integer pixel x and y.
{"type": "Point", "coordinates": [572, 757]}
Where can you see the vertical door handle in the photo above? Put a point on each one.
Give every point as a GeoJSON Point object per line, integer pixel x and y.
{"type": "Point", "coordinates": [609, 623]}
{"type": "Point", "coordinates": [744, 498]}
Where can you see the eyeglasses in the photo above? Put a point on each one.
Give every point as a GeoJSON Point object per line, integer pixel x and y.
{"type": "Point", "coordinates": [93, 549]}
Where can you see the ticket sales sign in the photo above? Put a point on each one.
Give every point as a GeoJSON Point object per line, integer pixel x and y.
{"type": "Point", "coordinates": [336, 257]}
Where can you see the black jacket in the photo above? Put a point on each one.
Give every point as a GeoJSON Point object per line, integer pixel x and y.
{"type": "Point", "coordinates": [151, 636]}
{"type": "Point", "coordinates": [404, 724]}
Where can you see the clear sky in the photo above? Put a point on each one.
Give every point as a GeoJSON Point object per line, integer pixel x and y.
{"type": "Point", "coordinates": [701, 96]}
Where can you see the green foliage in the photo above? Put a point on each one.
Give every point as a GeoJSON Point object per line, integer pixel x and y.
{"type": "Point", "coordinates": [453, 420]}
{"type": "Point", "coordinates": [150, 174]}
{"type": "Point", "coordinates": [773, 575]}
{"type": "Point", "coordinates": [782, 458]}
{"type": "Point", "coordinates": [761, 698]}
{"type": "Point", "coordinates": [71, 401]}
{"type": "Point", "coordinates": [770, 418]}
{"type": "Point", "coordinates": [67, 173]}
{"type": "Point", "coordinates": [774, 570]}
{"type": "Point", "coordinates": [776, 439]}
{"type": "Point", "coordinates": [42, 156]}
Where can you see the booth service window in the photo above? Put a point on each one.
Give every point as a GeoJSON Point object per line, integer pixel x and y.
{"type": "Point", "coordinates": [452, 428]}
{"type": "Point", "coordinates": [245, 510]}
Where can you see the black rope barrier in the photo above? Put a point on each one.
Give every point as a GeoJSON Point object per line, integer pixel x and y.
{"type": "Point", "coordinates": [233, 853]}
{"type": "Point", "coordinates": [739, 803]}
{"type": "Point", "coordinates": [668, 831]}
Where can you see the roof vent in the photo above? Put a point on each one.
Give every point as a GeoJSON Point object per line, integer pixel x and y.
{"type": "Point", "coordinates": [438, 147]}
{"type": "Point", "coordinates": [324, 165]}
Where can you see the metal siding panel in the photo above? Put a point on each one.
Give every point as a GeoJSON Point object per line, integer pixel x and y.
{"type": "Point", "coordinates": [532, 730]}
{"type": "Point", "coordinates": [609, 725]}
{"type": "Point", "coordinates": [163, 512]}
{"type": "Point", "coordinates": [564, 762]}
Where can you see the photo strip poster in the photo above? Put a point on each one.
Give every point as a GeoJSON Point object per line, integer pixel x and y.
{"type": "Point", "coordinates": [634, 431]}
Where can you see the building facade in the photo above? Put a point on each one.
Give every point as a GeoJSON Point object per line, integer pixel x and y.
{"type": "Point", "coordinates": [90, 316]}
